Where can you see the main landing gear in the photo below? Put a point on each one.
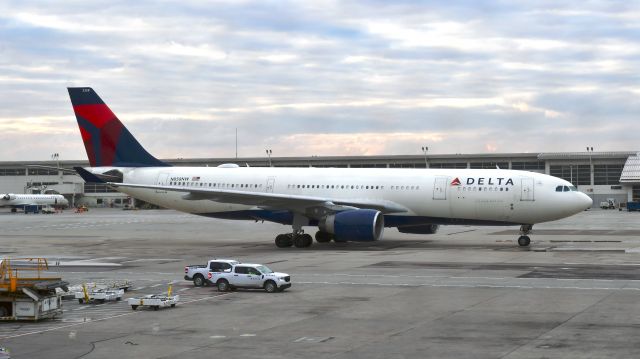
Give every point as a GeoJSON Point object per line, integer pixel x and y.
{"type": "Point", "coordinates": [297, 238]}
{"type": "Point", "coordinates": [524, 239]}
{"type": "Point", "coordinates": [300, 240]}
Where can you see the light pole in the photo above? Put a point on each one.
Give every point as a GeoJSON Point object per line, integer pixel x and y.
{"type": "Point", "coordinates": [571, 173]}
{"type": "Point", "coordinates": [269, 152]}
{"type": "Point", "coordinates": [56, 157]}
{"type": "Point", "coordinates": [590, 151]}
{"type": "Point", "coordinates": [425, 149]}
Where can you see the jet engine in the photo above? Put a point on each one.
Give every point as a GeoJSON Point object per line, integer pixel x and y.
{"type": "Point", "coordinates": [8, 196]}
{"type": "Point", "coordinates": [358, 225]}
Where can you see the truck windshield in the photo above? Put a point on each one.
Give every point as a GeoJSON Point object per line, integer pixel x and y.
{"type": "Point", "coordinates": [264, 269]}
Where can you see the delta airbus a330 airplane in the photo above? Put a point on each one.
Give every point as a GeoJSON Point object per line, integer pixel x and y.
{"type": "Point", "coordinates": [345, 204]}
{"type": "Point", "coordinates": [16, 201]}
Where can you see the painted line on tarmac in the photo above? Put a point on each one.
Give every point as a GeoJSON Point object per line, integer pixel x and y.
{"type": "Point", "coordinates": [453, 277]}
{"type": "Point", "coordinates": [106, 318]}
{"type": "Point", "coordinates": [376, 275]}
{"type": "Point", "coordinates": [468, 286]}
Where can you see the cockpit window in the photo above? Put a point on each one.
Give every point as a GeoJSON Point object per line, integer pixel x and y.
{"type": "Point", "coordinates": [566, 188]}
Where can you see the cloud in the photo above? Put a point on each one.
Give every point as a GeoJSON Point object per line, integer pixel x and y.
{"type": "Point", "coordinates": [323, 78]}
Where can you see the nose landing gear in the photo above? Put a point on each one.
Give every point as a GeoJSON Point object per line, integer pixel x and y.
{"type": "Point", "coordinates": [524, 239]}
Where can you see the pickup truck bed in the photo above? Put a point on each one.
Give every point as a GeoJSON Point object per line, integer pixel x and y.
{"type": "Point", "coordinates": [198, 272]}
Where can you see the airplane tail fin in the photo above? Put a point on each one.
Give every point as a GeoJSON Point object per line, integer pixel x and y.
{"type": "Point", "coordinates": [107, 141]}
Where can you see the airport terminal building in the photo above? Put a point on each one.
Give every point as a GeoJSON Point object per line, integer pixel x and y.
{"type": "Point", "coordinates": [601, 175]}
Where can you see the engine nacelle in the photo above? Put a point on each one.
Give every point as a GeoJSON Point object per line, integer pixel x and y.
{"type": "Point", "coordinates": [358, 225]}
{"type": "Point", "coordinates": [8, 196]}
{"type": "Point", "coordinates": [420, 229]}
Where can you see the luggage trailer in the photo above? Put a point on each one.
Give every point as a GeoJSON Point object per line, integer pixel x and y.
{"type": "Point", "coordinates": [155, 301]}
{"type": "Point", "coordinates": [28, 297]}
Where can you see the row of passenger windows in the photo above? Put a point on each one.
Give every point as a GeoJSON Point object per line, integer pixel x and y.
{"type": "Point", "coordinates": [290, 186]}
{"type": "Point", "coordinates": [321, 186]}
{"type": "Point", "coordinates": [215, 185]}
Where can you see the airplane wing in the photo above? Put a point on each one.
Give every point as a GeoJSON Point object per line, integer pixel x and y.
{"type": "Point", "coordinates": [273, 200]}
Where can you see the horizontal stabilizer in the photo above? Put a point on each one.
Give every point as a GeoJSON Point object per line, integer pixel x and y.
{"type": "Point", "coordinates": [92, 178]}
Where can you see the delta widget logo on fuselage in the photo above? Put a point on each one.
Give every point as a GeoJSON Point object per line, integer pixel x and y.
{"type": "Point", "coordinates": [484, 181]}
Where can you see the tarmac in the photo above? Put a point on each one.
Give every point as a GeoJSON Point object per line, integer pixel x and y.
{"type": "Point", "coordinates": [465, 292]}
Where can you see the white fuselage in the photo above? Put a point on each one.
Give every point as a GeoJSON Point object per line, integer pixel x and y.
{"type": "Point", "coordinates": [444, 196]}
{"type": "Point", "coordinates": [21, 200]}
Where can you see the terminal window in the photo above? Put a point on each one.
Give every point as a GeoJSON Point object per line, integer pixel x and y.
{"type": "Point", "coordinates": [579, 175]}
{"type": "Point", "coordinates": [528, 166]}
{"type": "Point", "coordinates": [448, 165]}
{"type": "Point", "coordinates": [607, 174]}
{"type": "Point", "coordinates": [490, 165]}
{"type": "Point", "coordinates": [13, 171]}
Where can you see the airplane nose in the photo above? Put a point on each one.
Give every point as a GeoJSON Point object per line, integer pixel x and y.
{"type": "Point", "coordinates": [587, 202]}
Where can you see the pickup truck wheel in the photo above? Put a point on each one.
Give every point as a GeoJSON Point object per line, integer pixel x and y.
{"type": "Point", "coordinates": [198, 280]}
{"type": "Point", "coordinates": [223, 285]}
{"type": "Point", "coordinates": [134, 307]}
{"type": "Point", "coordinates": [270, 286]}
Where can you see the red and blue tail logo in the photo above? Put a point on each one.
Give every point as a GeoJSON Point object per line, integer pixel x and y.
{"type": "Point", "coordinates": [107, 141]}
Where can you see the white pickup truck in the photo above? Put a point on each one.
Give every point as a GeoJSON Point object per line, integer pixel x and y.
{"type": "Point", "coordinates": [246, 275]}
{"type": "Point", "coordinates": [198, 273]}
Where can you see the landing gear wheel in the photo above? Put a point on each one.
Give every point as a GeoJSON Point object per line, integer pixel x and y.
{"type": "Point", "coordinates": [283, 241]}
{"type": "Point", "coordinates": [524, 241]}
{"type": "Point", "coordinates": [323, 237]}
{"type": "Point", "coordinates": [302, 240]}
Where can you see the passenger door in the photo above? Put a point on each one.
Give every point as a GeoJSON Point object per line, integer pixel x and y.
{"type": "Point", "coordinates": [526, 189]}
{"type": "Point", "coordinates": [162, 181]}
{"type": "Point", "coordinates": [440, 188]}
{"type": "Point", "coordinates": [270, 183]}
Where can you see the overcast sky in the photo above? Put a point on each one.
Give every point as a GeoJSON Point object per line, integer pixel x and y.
{"type": "Point", "coordinates": [323, 77]}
